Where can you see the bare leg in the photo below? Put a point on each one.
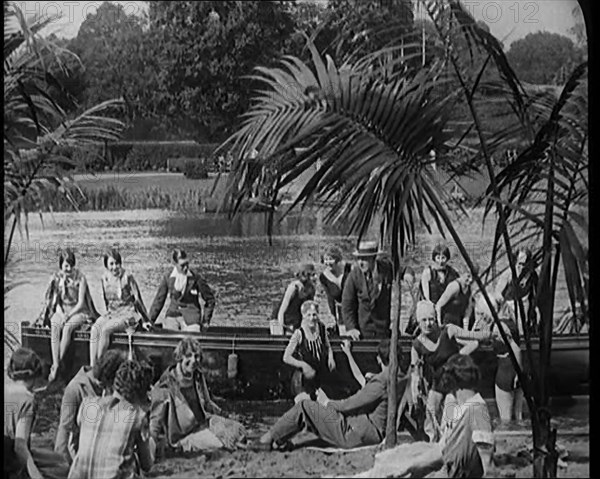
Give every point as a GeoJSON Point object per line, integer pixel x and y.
{"type": "Point", "coordinates": [69, 328]}
{"type": "Point", "coordinates": [95, 333]}
{"type": "Point", "coordinates": [504, 401]}
{"type": "Point", "coordinates": [518, 405]}
{"type": "Point", "coordinates": [105, 332]}
{"type": "Point", "coordinates": [56, 326]}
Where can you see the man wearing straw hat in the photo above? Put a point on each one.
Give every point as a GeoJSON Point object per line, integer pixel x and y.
{"type": "Point", "coordinates": [367, 295]}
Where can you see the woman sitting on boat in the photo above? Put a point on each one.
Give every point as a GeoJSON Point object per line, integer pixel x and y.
{"type": "Point", "coordinates": [68, 305]}
{"type": "Point", "coordinates": [183, 415]}
{"type": "Point", "coordinates": [455, 305]}
{"type": "Point", "coordinates": [25, 373]}
{"type": "Point", "coordinates": [528, 281]}
{"type": "Point", "coordinates": [185, 287]}
{"type": "Point", "coordinates": [301, 289]}
{"type": "Point", "coordinates": [332, 279]}
{"type": "Point", "coordinates": [430, 351]}
{"type": "Point", "coordinates": [310, 352]}
{"type": "Point", "coordinates": [124, 305]}
{"type": "Point", "coordinates": [509, 395]}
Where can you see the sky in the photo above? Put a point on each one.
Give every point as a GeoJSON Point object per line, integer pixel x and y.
{"type": "Point", "coordinates": [508, 20]}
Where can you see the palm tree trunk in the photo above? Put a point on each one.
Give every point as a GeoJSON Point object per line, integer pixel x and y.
{"type": "Point", "coordinates": [390, 434]}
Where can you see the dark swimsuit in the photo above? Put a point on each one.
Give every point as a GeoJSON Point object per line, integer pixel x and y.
{"type": "Point", "coordinates": [334, 292]}
{"type": "Point", "coordinates": [314, 354]}
{"type": "Point", "coordinates": [293, 315]}
{"type": "Point", "coordinates": [435, 360]}
{"type": "Point", "coordinates": [436, 285]}
{"type": "Point", "coordinates": [454, 311]}
{"type": "Point", "coordinates": [506, 373]}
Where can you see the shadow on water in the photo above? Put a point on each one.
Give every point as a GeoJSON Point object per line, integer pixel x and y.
{"type": "Point", "coordinates": [249, 225]}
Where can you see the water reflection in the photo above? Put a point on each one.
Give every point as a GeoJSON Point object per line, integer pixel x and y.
{"type": "Point", "coordinates": [248, 225]}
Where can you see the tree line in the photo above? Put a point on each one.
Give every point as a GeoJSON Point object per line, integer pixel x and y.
{"type": "Point", "coordinates": [184, 68]}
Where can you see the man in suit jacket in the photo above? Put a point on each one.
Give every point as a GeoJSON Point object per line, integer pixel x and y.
{"type": "Point", "coordinates": [367, 294]}
{"type": "Point", "coordinates": [185, 287]}
{"type": "Point", "coordinates": [359, 420]}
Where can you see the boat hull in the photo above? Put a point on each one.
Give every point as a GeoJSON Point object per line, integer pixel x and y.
{"type": "Point", "coordinates": [261, 373]}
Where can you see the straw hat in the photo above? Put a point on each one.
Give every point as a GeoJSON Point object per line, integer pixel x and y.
{"type": "Point", "coordinates": [367, 249]}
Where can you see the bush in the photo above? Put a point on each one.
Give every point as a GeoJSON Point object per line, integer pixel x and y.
{"type": "Point", "coordinates": [195, 169]}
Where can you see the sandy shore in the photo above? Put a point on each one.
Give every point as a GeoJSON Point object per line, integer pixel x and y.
{"type": "Point", "coordinates": [512, 458]}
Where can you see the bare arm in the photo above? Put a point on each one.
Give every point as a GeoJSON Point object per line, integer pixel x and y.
{"type": "Point", "coordinates": [356, 372]}
{"type": "Point", "coordinates": [288, 357]}
{"type": "Point", "coordinates": [23, 430]}
{"type": "Point", "coordinates": [425, 278]}
{"type": "Point", "coordinates": [287, 297]}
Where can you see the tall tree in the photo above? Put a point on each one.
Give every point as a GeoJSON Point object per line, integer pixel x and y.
{"type": "Point", "coordinates": [206, 49]}
{"type": "Point", "coordinates": [540, 57]}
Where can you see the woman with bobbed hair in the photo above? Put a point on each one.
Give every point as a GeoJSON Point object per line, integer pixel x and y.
{"type": "Point", "coordinates": [333, 278]}
{"type": "Point", "coordinates": [183, 414]}
{"type": "Point", "coordinates": [301, 289]}
{"type": "Point", "coordinates": [68, 305]}
{"type": "Point", "coordinates": [466, 446]}
{"type": "Point", "coordinates": [26, 373]}
{"type": "Point", "coordinates": [114, 438]}
{"type": "Point", "coordinates": [124, 304]}
{"type": "Point", "coordinates": [436, 277]}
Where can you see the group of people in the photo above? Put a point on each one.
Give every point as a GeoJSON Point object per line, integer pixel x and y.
{"type": "Point", "coordinates": [178, 413]}
{"type": "Point", "coordinates": [113, 422]}
{"type": "Point", "coordinates": [68, 303]}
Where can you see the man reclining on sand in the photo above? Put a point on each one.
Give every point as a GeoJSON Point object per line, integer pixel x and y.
{"type": "Point", "coordinates": [359, 420]}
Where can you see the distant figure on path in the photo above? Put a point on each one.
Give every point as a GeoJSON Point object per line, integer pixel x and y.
{"type": "Point", "coordinates": [367, 295]}
{"type": "Point", "coordinates": [185, 287]}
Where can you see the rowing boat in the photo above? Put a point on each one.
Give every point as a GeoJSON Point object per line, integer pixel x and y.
{"type": "Point", "coordinates": [261, 373]}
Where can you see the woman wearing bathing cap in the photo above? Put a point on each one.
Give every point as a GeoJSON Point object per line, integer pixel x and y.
{"type": "Point", "coordinates": [301, 289]}
{"type": "Point", "coordinates": [430, 351]}
{"type": "Point", "coordinates": [309, 351]}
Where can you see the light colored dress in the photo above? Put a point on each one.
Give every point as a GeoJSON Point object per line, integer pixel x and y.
{"type": "Point", "coordinates": [61, 297]}
{"type": "Point", "coordinates": [120, 298]}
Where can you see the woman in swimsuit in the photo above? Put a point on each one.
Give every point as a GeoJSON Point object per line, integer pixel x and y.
{"type": "Point", "coordinates": [333, 279]}
{"type": "Point", "coordinates": [430, 351]}
{"type": "Point", "coordinates": [456, 302]}
{"type": "Point", "coordinates": [436, 277]}
{"type": "Point", "coordinates": [301, 289]}
{"type": "Point", "coordinates": [509, 395]}
{"type": "Point", "coordinates": [528, 281]}
{"type": "Point", "coordinates": [310, 352]}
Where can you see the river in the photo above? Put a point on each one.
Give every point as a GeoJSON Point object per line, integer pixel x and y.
{"type": "Point", "coordinates": [246, 272]}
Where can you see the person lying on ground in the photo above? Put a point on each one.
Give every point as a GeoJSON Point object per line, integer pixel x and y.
{"type": "Point", "coordinates": [123, 302]}
{"type": "Point", "coordinates": [87, 382]}
{"type": "Point", "coordinates": [185, 287]}
{"type": "Point", "coordinates": [287, 311]}
{"type": "Point", "coordinates": [430, 351]}
{"type": "Point", "coordinates": [310, 352]}
{"type": "Point", "coordinates": [114, 440]}
{"type": "Point", "coordinates": [25, 374]}
{"type": "Point", "coordinates": [183, 415]}
{"type": "Point", "coordinates": [359, 420]}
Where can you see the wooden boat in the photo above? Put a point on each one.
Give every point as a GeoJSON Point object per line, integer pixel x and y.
{"type": "Point", "coordinates": [261, 374]}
